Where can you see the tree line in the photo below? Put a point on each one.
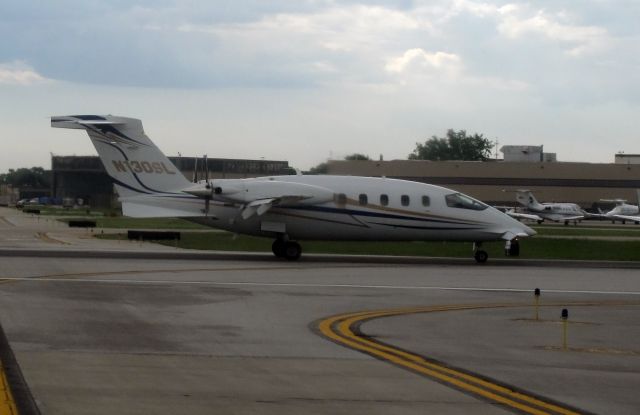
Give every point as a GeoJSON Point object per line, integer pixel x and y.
{"type": "Point", "coordinates": [34, 177]}
{"type": "Point", "coordinates": [456, 145]}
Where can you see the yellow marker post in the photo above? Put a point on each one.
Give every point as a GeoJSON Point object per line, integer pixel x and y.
{"type": "Point", "coordinates": [565, 323]}
{"type": "Point", "coordinates": [536, 294]}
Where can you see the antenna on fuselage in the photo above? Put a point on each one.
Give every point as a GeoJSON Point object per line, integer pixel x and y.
{"type": "Point", "coordinates": [207, 198]}
{"type": "Point", "coordinates": [195, 169]}
{"type": "Point", "coordinates": [206, 171]}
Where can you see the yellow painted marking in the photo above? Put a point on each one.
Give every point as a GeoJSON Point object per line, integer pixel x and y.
{"type": "Point", "coordinates": [7, 404]}
{"type": "Point", "coordinates": [340, 329]}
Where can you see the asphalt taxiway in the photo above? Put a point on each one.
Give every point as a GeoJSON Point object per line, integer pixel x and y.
{"type": "Point", "coordinates": [103, 333]}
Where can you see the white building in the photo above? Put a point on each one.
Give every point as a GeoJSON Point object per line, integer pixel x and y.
{"type": "Point", "coordinates": [622, 158]}
{"type": "Point", "coordinates": [527, 154]}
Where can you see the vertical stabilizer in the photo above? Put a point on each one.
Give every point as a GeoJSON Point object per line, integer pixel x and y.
{"type": "Point", "coordinates": [135, 164]}
{"type": "Point", "coordinates": [528, 200]}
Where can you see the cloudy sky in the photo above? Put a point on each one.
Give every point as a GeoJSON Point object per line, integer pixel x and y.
{"type": "Point", "coordinates": [306, 80]}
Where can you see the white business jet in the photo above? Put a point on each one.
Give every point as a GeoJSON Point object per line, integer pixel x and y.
{"type": "Point", "coordinates": [288, 208]}
{"type": "Point", "coordinates": [622, 211]}
{"type": "Point", "coordinates": [556, 212]}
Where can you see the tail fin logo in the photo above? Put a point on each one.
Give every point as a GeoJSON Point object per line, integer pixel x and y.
{"type": "Point", "coordinates": [110, 134]}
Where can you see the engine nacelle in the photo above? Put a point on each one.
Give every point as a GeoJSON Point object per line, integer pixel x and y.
{"type": "Point", "coordinates": [246, 191]}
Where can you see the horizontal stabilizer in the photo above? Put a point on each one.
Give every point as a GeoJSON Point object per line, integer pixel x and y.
{"type": "Point", "coordinates": [80, 121]}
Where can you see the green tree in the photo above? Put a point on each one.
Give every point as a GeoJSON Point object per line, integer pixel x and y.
{"type": "Point", "coordinates": [323, 168]}
{"type": "Point", "coordinates": [35, 177]}
{"type": "Point", "coordinates": [456, 146]}
{"type": "Point", "coordinates": [356, 156]}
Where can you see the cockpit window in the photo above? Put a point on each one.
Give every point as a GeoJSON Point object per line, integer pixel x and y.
{"type": "Point", "coordinates": [460, 201]}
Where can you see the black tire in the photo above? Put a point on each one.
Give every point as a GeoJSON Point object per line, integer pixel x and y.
{"type": "Point", "coordinates": [292, 250]}
{"type": "Point", "coordinates": [481, 257]}
{"type": "Point", "coordinates": [515, 248]}
{"type": "Point", "coordinates": [278, 248]}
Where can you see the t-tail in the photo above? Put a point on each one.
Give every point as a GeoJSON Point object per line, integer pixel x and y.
{"type": "Point", "coordinates": [526, 199]}
{"type": "Point", "coordinates": [146, 181]}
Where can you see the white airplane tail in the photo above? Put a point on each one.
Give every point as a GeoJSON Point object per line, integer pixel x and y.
{"type": "Point", "coordinates": [146, 181]}
{"type": "Point", "coordinates": [527, 199]}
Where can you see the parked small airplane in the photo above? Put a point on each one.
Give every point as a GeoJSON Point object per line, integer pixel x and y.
{"type": "Point", "coordinates": [557, 212]}
{"type": "Point", "coordinates": [622, 211]}
{"type": "Point", "coordinates": [288, 208]}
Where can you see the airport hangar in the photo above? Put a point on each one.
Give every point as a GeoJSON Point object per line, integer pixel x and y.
{"type": "Point", "coordinates": [550, 181]}
{"type": "Point", "coordinates": [84, 177]}
{"type": "Point", "coordinates": [583, 183]}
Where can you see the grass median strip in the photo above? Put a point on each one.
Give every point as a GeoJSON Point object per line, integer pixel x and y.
{"type": "Point", "coordinates": [574, 249]}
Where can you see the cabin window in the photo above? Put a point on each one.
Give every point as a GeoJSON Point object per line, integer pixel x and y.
{"type": "Point", "coordinates": [426, 201]}
{"type": "Point", "coordinates": [384, 200]}
{"type": "Point", "coordinates": [460, 201]}
{"type": "Point", "coordinates": [341, 199]}
{"type": "Point", "coordinates": [362, 199]}
{"type": "Point", "coordinates": [404, 199]}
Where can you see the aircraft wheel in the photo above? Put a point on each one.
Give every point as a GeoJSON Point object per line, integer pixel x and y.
{"type": "Point", "coordinates": [481, 256]}
{"type": "Point", "coordinates": [278, 248]}
{"type": "Point", "coordinates": [539, 222]}
{"type": "Point", "coordinates": [292, 250]}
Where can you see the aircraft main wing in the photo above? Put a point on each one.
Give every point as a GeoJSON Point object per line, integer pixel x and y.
{"type": "Point", "coordinates": [257, 196]}
{"type": "Point", "coordinates": [562, 218]}
{"type": "Point", "coordinates": [635, 219]}
{"type": "Point", "coordinates": [517, 215]}
{"type": "Point", "coordinates": [261, 206]}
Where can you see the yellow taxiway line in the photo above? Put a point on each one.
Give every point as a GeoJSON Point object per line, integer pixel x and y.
{"type": "Point", "coordinates": [342, 329]}
{"type": "Point", "coordinates": [7, 404]}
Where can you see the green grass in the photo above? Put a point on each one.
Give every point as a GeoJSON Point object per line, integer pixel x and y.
{"type": "Point", "coordinates": [50, 211]}
{"type": "Point", "coordinates": [578, 231]}
{"type": "Point", "coordinates": [120, 222]}
{"type": "Point", "coordinates": [577, 249]}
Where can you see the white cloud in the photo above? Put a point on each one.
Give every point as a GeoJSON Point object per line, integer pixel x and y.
{"type": "Point", "coordinates": [443, 62]}
{"type": "Point", "coordinates": [417, 67]}
{"type": "Point", "coordinates": [516, 21]}
{"type": "Point", "coordinates": [18, 73]}
{"type": "Point", "coordinates": [584, 39]}
{"type": "Point", "coordinates": [338, 29]}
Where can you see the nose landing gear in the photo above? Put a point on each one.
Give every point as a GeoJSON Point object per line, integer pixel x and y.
{"type": "Point", "coordinates": [480, 255]}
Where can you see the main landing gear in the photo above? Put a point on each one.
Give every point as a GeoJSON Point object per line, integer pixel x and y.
{"type": "Point", "coordinates": [480, 255]}
{"type": "Point", "coordinates": [284, 248]}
